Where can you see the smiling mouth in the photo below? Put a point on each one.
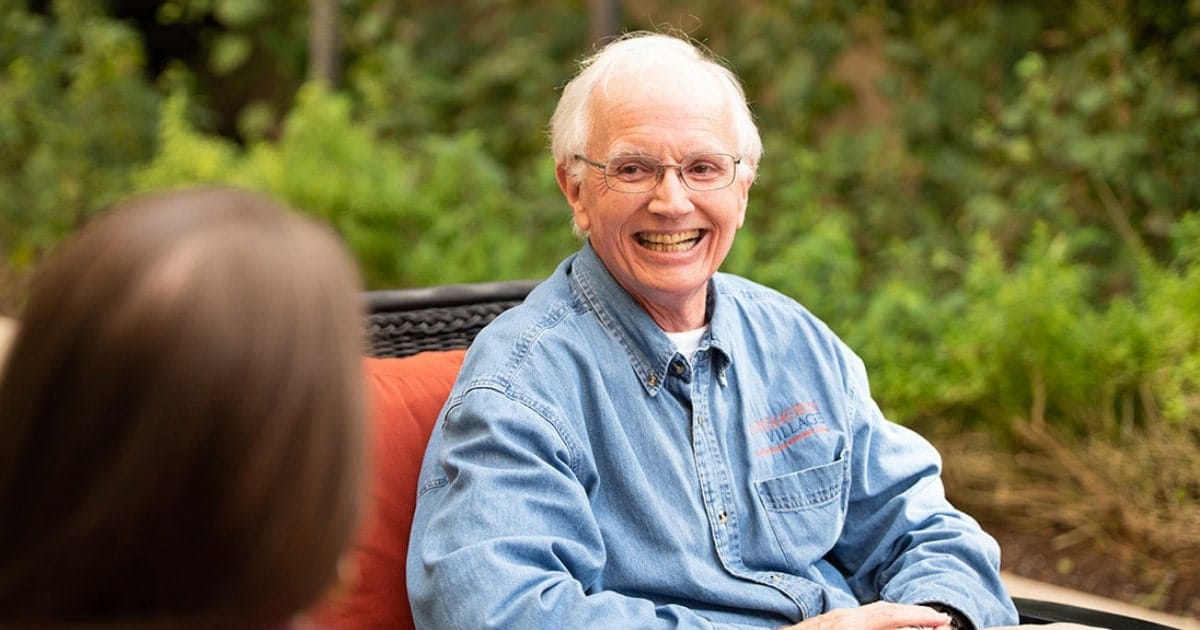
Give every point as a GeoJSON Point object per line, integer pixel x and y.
{"type": "Point", "coordinates": [670, 242]}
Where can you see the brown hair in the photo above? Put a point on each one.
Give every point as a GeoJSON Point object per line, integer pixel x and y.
{"type": "Point", "coordinates": [181, 418]}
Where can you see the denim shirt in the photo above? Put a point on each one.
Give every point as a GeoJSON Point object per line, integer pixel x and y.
{"type": "Point", "coordinates": [586, 475]}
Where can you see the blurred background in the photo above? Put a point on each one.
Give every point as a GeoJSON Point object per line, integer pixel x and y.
{"type": "Point", "coordinates": [995, 202]}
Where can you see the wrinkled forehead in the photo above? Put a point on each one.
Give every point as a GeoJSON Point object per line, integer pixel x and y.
{"type": "Point", "coordinates": [684, 95]}
{"type": "Point", "coordinates": [647, 78]}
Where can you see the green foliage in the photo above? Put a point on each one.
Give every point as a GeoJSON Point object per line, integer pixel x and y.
{"type": "Point", "coordinates": [75, 112]}
{"type": "Point", "coordinates": [489, 67]}
{"type": "Point", "coordinates": [1086, 134]}
{"type": "Point", "coordinates": [396, 207]}
{"type": "Point", "coordinates": [806, 250]}
{"type": "Point", "coordinates": [1024, 343]}
{"type": "Point", "coordinates": [1169, 310]}
{"type": "Point", "coordinates": [1024, 335]}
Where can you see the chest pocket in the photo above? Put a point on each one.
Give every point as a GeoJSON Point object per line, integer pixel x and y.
{"type": "Point", "coordinates": [804, 509]}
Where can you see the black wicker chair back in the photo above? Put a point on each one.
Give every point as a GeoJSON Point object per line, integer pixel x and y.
{"type": "Point", "coordinates": [403, 322]}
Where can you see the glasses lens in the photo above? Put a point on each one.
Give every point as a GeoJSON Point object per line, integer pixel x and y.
{"type": "Point", "coordinates": [710, 171]}
{"type": "Point", "coordinates": [632, 174]}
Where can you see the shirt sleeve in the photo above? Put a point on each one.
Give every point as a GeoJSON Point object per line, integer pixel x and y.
{"type": "Point", "coordinates": [904, 542]}
{"type": "Point", "coordinates": [504, 535]}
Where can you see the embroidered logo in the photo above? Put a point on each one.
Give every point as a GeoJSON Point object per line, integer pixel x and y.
{"type": "Point", "coordinates": [779, 428]}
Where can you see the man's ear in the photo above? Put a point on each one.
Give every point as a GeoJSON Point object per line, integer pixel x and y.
{"type": "Point", "coordinates": [742, 185]}
{"type": "Point", "coordinates": [572, 190]}
{"type": "Point", "coordinates": [566, 183]}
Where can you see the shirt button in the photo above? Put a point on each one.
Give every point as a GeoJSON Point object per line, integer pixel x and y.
{"type": "Point", "coordinates": [722, 517]}
{"type": "Point", "coordinates": [652, 381]}
{"type": "Point", "coordinates": [776, 577]}
{"type": "Point", "coordinates": [678, 367]}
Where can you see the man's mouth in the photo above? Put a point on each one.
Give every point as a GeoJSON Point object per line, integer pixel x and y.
{"type": "Point", "coordinates": [670, 241]}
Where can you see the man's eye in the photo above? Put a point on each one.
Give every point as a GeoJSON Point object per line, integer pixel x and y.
{"type": "Point", "coordinates": [704, 169]}
{"type": "Point", "coordinates": [631, 169]}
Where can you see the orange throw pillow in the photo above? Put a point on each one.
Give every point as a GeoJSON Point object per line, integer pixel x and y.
{"type": "Point", "coordinates": [406, 395]}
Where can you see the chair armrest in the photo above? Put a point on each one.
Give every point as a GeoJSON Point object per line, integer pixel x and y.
{"type": "Point", "coordinates": [1037, 611]}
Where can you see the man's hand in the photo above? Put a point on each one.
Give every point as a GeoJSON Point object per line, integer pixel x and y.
{"type": "Point", "coordinates": [876, 616]}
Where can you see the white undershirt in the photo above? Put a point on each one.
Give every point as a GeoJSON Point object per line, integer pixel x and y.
{"type": "Point", "coordinates": [688, 341]}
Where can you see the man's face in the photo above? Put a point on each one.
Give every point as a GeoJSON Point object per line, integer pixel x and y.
{"type": "Point", "coordinates": [662, 246]}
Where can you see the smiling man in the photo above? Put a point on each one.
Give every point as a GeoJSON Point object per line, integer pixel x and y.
{"type": "Point", "coordinates": [649, 443]}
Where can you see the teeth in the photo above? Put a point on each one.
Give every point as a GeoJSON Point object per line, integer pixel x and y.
{"type": "Point", "coordinates": [672, 242]}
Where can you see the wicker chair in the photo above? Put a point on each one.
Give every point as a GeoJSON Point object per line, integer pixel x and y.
{"type": "Point", "coordinates": [403, 322]}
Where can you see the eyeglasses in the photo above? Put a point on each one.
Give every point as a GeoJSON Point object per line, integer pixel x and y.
{"type": "Point", "coordinates": [641, 173]}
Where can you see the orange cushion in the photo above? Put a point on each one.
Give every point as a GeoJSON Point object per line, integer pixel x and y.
{"type": "Point", "coordinates": [406, 396]}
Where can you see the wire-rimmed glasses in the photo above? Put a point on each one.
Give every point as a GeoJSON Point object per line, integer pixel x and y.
{"type": "Point", "coordinates": [642, 173]}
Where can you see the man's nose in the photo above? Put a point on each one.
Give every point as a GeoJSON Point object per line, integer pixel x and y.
{"type": "Point", "coordinates": [671, 196]}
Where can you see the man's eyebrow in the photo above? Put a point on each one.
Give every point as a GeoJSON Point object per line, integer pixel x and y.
{"type": "Point", "coordinates": [637, 153]}
{"type": "Point", "coordinates": [630, 153]}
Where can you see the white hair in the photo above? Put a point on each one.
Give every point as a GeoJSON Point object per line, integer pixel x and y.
{"type": "Point", "coordinates": [631, 54]}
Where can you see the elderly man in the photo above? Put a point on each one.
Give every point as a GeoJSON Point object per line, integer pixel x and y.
{"type": "Point", "coordinates": [648, 443]}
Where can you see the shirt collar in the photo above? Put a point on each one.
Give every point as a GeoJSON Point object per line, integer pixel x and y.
{"type": "Point", "coordinates": [649, 348]}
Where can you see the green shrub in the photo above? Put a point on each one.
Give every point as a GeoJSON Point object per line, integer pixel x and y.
{"type": "Point", "coordinates": [441, 210]}
{"type": "Point", "coordinates": [75, 113]}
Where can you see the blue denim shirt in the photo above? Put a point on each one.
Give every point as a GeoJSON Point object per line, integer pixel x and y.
{"type": "Point", "coordinates": [585, 475]}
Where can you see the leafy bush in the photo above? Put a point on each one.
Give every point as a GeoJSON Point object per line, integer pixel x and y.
{"type": "Point", "coordinates": [75, 113]}
{"type": "Point", "coordinates": [404, 212]}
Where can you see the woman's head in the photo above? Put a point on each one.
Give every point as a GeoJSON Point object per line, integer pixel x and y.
{"type": "Point", "coordinates": [181, 417]}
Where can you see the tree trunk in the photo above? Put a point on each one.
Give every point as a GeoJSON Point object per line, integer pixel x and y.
{"type": "Point", "coordinates": [323, 42]}
{"type": "Point", "coordinates": [604, 21]}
